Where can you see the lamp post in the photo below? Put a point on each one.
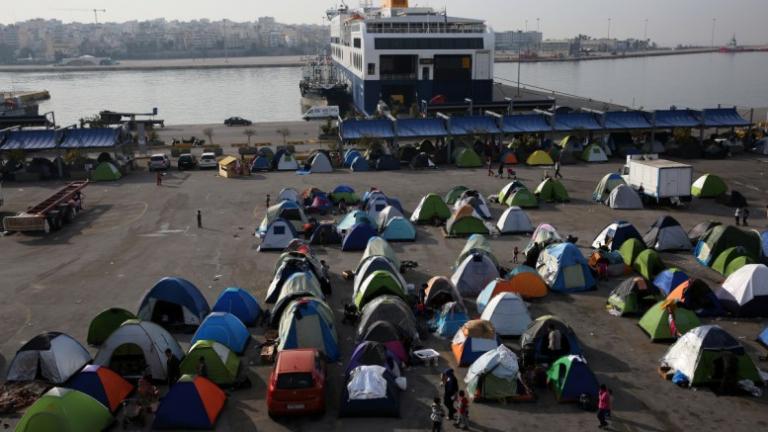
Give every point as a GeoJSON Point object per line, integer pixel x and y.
{"type": "Point", "coordinates": [645, 30]}
{"type": "Point", "coordinates": [609, 28]}
{"type": "Point", "coordinates": [712, 40]}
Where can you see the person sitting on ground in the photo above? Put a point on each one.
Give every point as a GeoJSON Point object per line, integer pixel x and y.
{"type": "Point", "coordinates": [147, 392]}
{"type": "Point", "coordinates": [350, 314]}
{"type": "Point", "coordinates": [554, 342]}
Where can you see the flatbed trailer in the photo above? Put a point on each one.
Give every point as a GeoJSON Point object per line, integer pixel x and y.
{"type": "Point", "coordinates": [52, 213]}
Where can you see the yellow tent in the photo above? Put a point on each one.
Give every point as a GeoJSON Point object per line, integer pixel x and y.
{"type": "Point", "coordinates": [539, 157]}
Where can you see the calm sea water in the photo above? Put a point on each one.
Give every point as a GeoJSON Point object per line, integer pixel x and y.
{"type": "Point", "coordinates": [272, 94]}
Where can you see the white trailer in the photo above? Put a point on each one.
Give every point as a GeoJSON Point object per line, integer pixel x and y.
{"type": "Point", "coordinates": [660, 179]}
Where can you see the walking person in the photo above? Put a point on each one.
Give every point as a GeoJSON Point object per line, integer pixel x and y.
{"type": "Point", "coordinates": [450, 388]}
{"type": "Point", "coordinates": [159, 179]}
{"type": "Point", "coordinates": [490, 167]}
{"type": "Point", "coordinates": [500, 171]}
{"type": "Point", "coordinates": [268, 197]}
{"type": "Point", "coordinates": [463, 402]}
{"type": "Point", "coordinates": [737, 215]}
{"type": "Point", "coordinates": [515, 253]}
{"type": "Point", "coordinates": [744, 216]}
{"type": "Point", "coordinates": [437, 415]}
{"type": "Point", "coordinates": [557, 169]}
{"type": "Point", "coordinates": [199, 219]}
{"type": "Point", "coordinates": [603, 405]}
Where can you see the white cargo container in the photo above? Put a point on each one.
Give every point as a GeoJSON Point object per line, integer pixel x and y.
{"type": "Point", "coordinates": [660, 179]}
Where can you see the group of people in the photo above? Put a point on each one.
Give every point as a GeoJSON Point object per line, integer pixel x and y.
{"type": "Point", "coordinates": [455, 401]}
{"type": "Point", "coordinates": [511, 174]}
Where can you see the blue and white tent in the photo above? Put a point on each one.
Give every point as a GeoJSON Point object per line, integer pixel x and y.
{"type": "Point", "coordinates": [399, 229]}
{"type": "Point", "coordinates": [173, 301]}
{"type": "Point", "coordinates": [615, 234]}
{"type": "Point", "coordinates": [564, 269]}
{"type": "Point", "coordinates": [224, 328]}
{"type": "Point", "coordinates": [239, 303]}
{"type": "Point", "coordinates": [308, 323]}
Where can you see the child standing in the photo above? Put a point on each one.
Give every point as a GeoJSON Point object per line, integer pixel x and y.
{"type": "Point", "coordinates": [516, 253]}
{"type": "Point", "coordinates": [463, 402]}
{"type": "Point", "coordinates": [603, 405]}
{"type": "Point", "coordinates": [437, 415]}
{"type": "Point", "coordinates": [490, 167]}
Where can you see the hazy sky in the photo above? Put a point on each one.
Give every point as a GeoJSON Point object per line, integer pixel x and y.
{"type": "Point", "coordinates": [669, 21]}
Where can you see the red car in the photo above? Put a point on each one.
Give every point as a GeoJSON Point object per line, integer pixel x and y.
{"type": "Point", "coordinates": [297, 383]}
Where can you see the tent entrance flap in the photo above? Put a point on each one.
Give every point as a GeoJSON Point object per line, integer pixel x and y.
{"type": "Point", "coordinates": [128, 360]}
{"type": "Point", "coordinates": [167, 313]}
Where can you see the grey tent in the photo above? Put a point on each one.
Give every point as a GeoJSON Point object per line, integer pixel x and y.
{"type": "Point", "coordinates": [624, 197]}
{"type": "Point", "coordinates": [666, 234]}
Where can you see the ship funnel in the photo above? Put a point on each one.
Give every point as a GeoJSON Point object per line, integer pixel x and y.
{"type": "Point", "coordinates": [394, 4]}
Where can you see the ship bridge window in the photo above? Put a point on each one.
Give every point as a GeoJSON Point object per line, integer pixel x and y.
{"type": "Point", "coordinates": [428, 43]}
{"type": "Point", "coordinates": [398, 67]}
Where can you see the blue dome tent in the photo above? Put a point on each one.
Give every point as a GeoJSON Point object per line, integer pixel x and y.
{"type": "Point", "coordinates": [173, 302]}
{"type": "Point", "coordinates": [224, 328]}
{"type": "Point", "coordinates": [239, 303]}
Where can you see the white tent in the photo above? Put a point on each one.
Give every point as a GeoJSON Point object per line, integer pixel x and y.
{"type": "Point", "coordinates": [475, 200]}
{"type": "Point", "coordinates": [745, 292]}
{"type": "Point", "coordinates": [594, 153]}
{"type": "Point", "coordinates": [501, 362]}
{"type": "Point", "coordinates": [375, 207]}
{"type": "Point", "coordinates": [321, 164]}
{"type": "Point", "coordinates": [514, 220]}
{"type": "Point", "coordinates": [508, 313]}
{"type": "Point", "coordinates": [144, 336]}
{"type": "Point", "coordinates": [474, 273]}
{"type": "Point", "coordinates": [278, 236]}
{"type": "Point", "coordinates": [288, 194]}
{"type": "Point", "coordinates": [386, 215]}
{"type": "Point", "coordinates": [624, 197]}
{"type": "Point", "coordinates": [287, 162]}
{"type": "Point", "coordinates": [53, 357]}
{"type": "Point", "coordinates": [377, 246]}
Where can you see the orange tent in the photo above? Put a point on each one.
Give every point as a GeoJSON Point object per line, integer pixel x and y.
{"type": "Point", "coordinates": [473, 339]}
{"type": "Point", "coordinates": [527, 285]}
{"type": "Point", "coordinates": [509, 158]}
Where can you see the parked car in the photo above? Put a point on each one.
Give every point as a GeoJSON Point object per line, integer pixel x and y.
{"type": "Point", "coordinates": [237, 121]}
{"type": "Point", "coordinates": [297, 383]}
{"type": "Point", "coordinates": [159, 162]}
{"type": "Point", "coordinates": [187, 161]}
{"type": "Point", "coordinates": [208, 160]}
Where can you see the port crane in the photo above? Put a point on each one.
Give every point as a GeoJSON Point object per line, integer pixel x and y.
{"type": "Point", "coordinates": [96, 12]}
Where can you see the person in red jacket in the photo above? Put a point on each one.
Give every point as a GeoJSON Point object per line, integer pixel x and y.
{"type": "Point", "coordinates": [463, 405]}
{"type": "Point", "coordinates": [603, 405]}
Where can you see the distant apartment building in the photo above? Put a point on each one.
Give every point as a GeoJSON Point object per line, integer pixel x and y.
{"type": "Point", "coordinates": [556, 47]}
{"type": "Point", "coordinates": [524, 41]}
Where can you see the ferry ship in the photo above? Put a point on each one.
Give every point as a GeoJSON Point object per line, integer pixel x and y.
{"type": "Point", "coordinates": [401, 55]}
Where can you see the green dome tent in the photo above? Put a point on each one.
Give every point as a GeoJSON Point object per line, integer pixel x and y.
{"type": "Point", "coordinates": [630, 249]}
{"type": "Point", "coordinates": [708, 186]}
{"type": "Point", "coordinates": [378, 283]}
{"type": "Point", "coordinates": [648, 264]}
{"type": "Point", "coordinates": [454, 194]}
{"type": "Point", "coordinates": [62, 409]}
{"type": "Point", "coordinates": [106, 171]}
{"type": "Point", "coordinates": [430, 208]}
{"type": "Point", "coordinates": [506, 192]}
{"type": "Point", "coordinates": [607, 184]}
{"type": "Point", "coordinates": [223, 364]}
{"type": "Point", "coordinates": [721, 237]}
{"type": "Point", "coordinates": [551, 190]}
{"type": "Point", "coordinates": [731, 260]}
{"type": "Point", "coordinates": [467, 158]}
{"type": "Point", "coordinates": [464, 223]}
{"type": "Point", "coordinates": [655, 322]}
{"type": "Point", "coordinates": [522, 198]}
{"type": "Point", "coordinates": [105, 323]}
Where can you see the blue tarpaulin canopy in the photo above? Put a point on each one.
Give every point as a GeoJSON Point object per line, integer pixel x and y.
{"type": "Point", "coordinates": [421, 128]}
{"type": "Point", "coordinates": [676, 119]}
{"type": "Point", "coordinates": [525, 123]}
{"type": "Point", "coordinates": [626, 120]}
{"type": "Point", "coordinates": [358, 129]}
{"type": "Point", "coordinates": [723, 117]}
{"type": "Point", "coordinates": [576, 121]}
{"type": "Point", "coordinates": [31, 140]}
{"type": "Point", "coordinates": [91, 138]}
{"type": "Point", "coordinates": [473, 125]}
